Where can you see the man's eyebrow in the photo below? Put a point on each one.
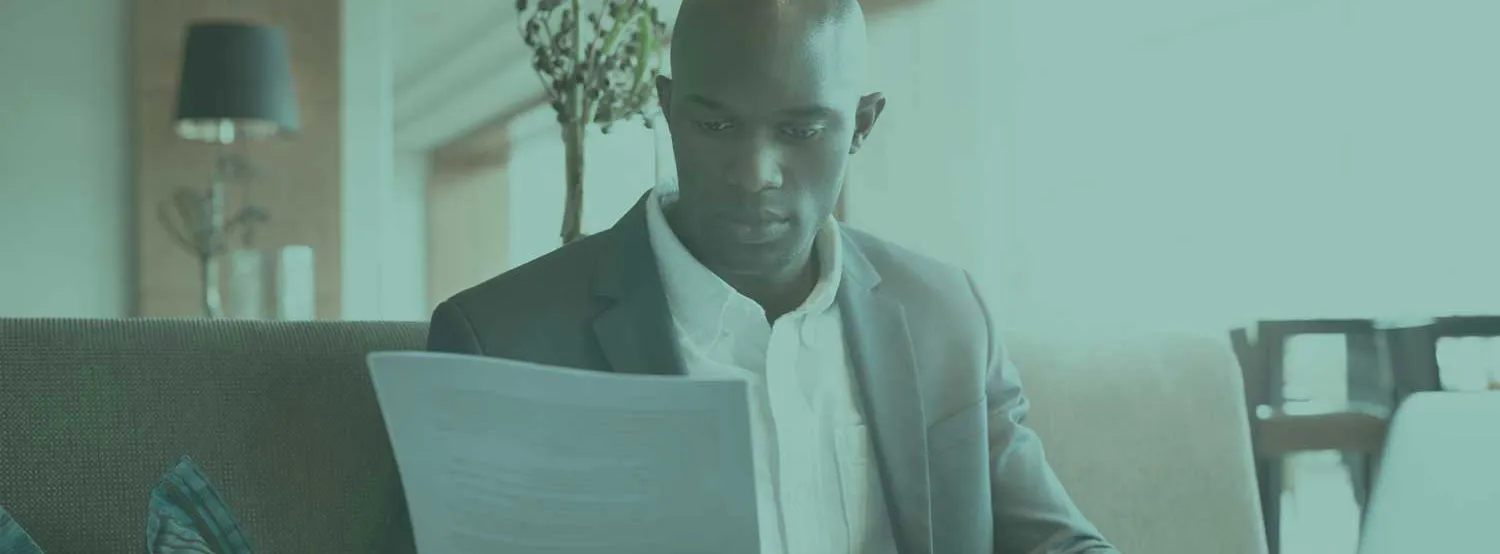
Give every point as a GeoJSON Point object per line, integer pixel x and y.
{"type": "Point", "coordinates": [810, 112]}
{"type": "Point", "coordinates": [706, 102]}
{"type": "Point", "coordinates": [800, 112]}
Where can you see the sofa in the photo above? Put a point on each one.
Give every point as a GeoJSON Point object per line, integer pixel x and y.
{"type": "Point", "coordinates": [1151, 440]}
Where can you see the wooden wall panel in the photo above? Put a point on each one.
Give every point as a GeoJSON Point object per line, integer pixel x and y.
{"type": "Point", "coordinates": [468, 191]}
{"type": "Point", "coordinates": [300, 184]}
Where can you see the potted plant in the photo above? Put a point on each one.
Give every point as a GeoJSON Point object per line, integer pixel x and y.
{"type": "Point", "coordinates": [597, 76]}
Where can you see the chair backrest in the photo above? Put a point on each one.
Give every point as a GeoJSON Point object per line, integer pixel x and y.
{"type": "Point", "coordinates": [1261, 352]}
{"type": "Point", "coordinates": [282, 417]}
{"type": "Point", "coordinates": [1151, 440]}
{"type": "Point", "coordinates": [1412, 350]}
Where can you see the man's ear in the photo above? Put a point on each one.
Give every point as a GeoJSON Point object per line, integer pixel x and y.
{"type": "Point", "coordinates": [664, 95]}
{"type": "Point", "coordinates": [870, 107]}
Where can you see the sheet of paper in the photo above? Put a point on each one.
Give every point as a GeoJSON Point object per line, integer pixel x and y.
{"type": "Point", "coordinates": [506, 456]}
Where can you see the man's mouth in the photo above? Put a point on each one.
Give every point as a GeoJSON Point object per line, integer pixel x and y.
{"type": "Point", "coordinates": [757, 228]}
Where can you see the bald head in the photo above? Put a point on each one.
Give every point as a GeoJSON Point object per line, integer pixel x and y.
{"type": "Point", "coordinates": [771, 35]}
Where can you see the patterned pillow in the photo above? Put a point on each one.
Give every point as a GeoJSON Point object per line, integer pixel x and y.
{"type": "Point", "coordinates": [13, 539]}
{"type": "Point", "coordinates": [185, 515]}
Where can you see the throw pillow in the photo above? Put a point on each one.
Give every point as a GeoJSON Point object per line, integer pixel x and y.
{"type": "Point", "coordinates": [13, 539]}
{"type": "Point", "coordinates": [185, 515]}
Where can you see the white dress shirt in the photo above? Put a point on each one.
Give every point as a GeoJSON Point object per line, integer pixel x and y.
{"type": "Point", "coordinates": [817, 487]}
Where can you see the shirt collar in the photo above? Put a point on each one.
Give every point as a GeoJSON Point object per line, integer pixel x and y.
{"type": "Point", "coordinates": [701, 302]}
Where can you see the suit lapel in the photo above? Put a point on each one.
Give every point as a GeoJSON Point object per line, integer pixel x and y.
{"type": "Point", "coordinates": [885, 365]}
{"type": "Point", "coordinates": [635, 328]}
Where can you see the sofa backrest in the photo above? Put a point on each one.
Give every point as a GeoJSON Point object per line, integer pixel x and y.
{"type": "Point", "coordinates": [281, 416]}
{"type": "Point", "coordinates": [1152, 441]}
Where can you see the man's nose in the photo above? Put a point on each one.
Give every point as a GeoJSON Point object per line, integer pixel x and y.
{"type": "Point", "coordinates": [757, 166]}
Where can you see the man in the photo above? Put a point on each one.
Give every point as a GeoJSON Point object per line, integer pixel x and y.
{"type": "Point", "coordinates": [886, 418]}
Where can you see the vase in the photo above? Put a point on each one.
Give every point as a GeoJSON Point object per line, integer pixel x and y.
{"type": "Point", "coordinates": [247, 284]}
{"type": "Point", "coordinates": [296, 284]}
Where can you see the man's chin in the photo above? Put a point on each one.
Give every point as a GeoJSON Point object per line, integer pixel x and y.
{"type": "Point", "coordinates": [756, 261]}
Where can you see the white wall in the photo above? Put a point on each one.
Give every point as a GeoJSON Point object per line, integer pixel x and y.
{"type": "Point", "coordinates": [65, 206]}
{"type": "Point", "coordinates": [1207, 164]}
{"type": "Point", "coordinates": [917, 179]}
{"type": "Point", "coordinates": [368, 142]}
{"type": "Point", "coordinates": [1171, 166]}
{"type": "Point", "coordinates": [403, 239]}
{"type": "Point", "coordinates": [618, 168]}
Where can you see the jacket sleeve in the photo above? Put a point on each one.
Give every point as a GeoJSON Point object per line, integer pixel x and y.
{"type": "Point", "coordinates": [1033, 514]}
{"type": "Point", "coordinates": [451, 332]}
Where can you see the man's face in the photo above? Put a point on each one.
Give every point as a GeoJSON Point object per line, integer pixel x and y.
{"type": "Point", "coordinates": [762, 128]}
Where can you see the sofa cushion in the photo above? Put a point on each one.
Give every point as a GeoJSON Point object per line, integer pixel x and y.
{"type": "Point", "coordinates": [1151, 439]}
{"type": "Point", "coordinates": [284, 414]}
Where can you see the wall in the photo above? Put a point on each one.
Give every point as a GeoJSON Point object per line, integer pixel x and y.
{"type": "Point", "coordinates": [1187, 167]}
{"type": "Point", "coordinates": [64, 158]}
{"type": "Point", "coordinates": [1201, 165]}
{"type": "Point", "coordinates": [303, 175]}
{"type": "Point", "coordinates": [618, 168]}
{"type": "Point", "coordinates": [368, 146]}
{"type": "Point", "coordinates": [468, 206]}
{"type": "Point", "coordinates": [495, 195]}
{"type": "Point", "coordinates": [403, 239]}
{"type": "Point", "coordinates": [918, 179]}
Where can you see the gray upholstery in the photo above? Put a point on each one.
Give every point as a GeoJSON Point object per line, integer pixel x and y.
{"type": "Point", "coordinates": [281, 416]}
{"type": "Point", "coordinates": [1151, 440]}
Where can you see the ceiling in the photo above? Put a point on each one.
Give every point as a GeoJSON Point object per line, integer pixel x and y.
{"type": "Point", "coordinates": [460, 64]}
{"type": "Point", "coordinates": [428, 32]}
{"type": "Point", "coordinates": [433, 36]}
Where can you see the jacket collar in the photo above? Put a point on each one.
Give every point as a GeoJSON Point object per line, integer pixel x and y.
{"type": "Point", "coordinates": [635, 329]}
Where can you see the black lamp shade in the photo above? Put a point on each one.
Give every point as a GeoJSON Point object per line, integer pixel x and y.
{"type": "Point", "coordinates": [236, 83]}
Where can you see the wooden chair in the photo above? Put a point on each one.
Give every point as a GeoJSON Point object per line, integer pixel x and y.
{"type": "Point", "coordinates": [1409, 351]}
{"type": "Point", "coordinates": [1357, 430]}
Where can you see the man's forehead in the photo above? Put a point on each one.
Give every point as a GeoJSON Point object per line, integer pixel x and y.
{"type": "Point", "coordinates": [769, 12]}
{"type": "Point", "coordinates": [741, 103]}
{"type": "Point", "coordinates": [788, 80]}
{"type": "Point", "coordinates": [788, 45]}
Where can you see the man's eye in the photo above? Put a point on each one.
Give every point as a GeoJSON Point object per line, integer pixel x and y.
{"type": "Point", "coordinates": [715, 126]}
{"type": "Point", "coordinates": [802, 133]}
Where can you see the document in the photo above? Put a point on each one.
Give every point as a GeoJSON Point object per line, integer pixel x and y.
{"type": "Point", "coordinates": [508, 456]}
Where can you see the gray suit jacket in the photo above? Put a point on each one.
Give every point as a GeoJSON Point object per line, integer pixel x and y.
{"type": "Point", "coordinates": [962, 472]}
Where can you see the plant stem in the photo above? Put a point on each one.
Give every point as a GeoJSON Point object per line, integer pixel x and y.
{"type": "Point", "coordinates": [573, 135]}
{"type": "Point", "coordinates": [579, 87]}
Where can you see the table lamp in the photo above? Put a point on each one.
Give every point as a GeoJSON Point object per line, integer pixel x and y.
{"type": "Point", "coordinates": [236, 86]}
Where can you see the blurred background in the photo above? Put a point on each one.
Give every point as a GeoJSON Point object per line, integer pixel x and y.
{"type": "Point", "coordinates": [1111, 173]}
